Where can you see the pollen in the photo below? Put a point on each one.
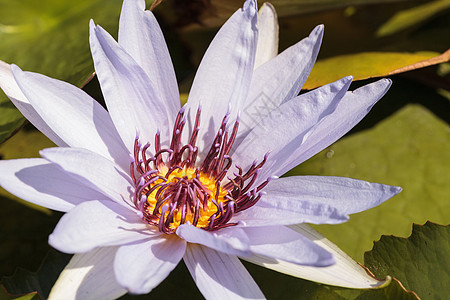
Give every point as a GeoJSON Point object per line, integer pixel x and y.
{"type": "Point", "coordinates": [192, 197]}
{"type": "Point", "coordinates": [175, 185]}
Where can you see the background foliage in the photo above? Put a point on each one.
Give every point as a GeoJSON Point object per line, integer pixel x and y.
{"type": "Point", "coordinates": [404, 141]}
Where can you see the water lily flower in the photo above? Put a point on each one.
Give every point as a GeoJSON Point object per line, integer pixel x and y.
{"type": "Point", "coordinates": [148, 183]}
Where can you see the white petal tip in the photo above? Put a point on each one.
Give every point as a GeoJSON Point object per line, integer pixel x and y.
{"type": "Point", "coordinates": [387, 80]}
{"type": "Point", "coordinates": [384, 283]}
{"type": "Point", "coordinates": [395, 190]}
{"type": "Point", "coordinates": [54, 242]}
{"type": "Point", "coordinates": [15, 69]}
{"type": "Point", "coordinates": [251, 6]}
{"type": "Point", "coordinates": [250, 10]}
{"type": "Point", "coordinates": [318, 30]}
{"type": "Point", "coordinates": [44, 152]}
{"type": "Point", "coordinates": [267, 6]}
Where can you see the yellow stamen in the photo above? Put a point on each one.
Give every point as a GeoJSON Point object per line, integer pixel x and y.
{"type": "Point", "coordinates": [205, 211]}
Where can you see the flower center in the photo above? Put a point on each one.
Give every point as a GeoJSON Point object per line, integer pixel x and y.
{"type": "Point", "coordinates": [173, 187]}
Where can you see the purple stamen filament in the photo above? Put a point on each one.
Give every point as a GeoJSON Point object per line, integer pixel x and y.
{"type": "Point", "coordinates": [172, 187]}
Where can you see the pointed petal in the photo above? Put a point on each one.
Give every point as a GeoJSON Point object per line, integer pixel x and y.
{"type": "Point", "coordinates": [346, 272]}
{"type": "Point", "coordinates": [314, 199]}
{"type": "Point", "coordinates": [228, 240]}
{"type": "Point", "coordinates": [40, 182]}
{"type": "Point", "coordinates": [132, 101]}
{"type": "Point", "coordinates": [280, 79]}
{"type": "Point", "coordinates": [224, 75]}
{"type": "Point", "coordinates": [285, 128]}
{"type": "Point", "coordinates": [93, 171]}
{"type": "Point", "coordinates": [141, 266]}
{"type": "Point", "coordinates": [88, 276]}
{"type": "Point", "coordinates": [269, 213]}
{"type": "Point", "coordinates": [267, 47]}
{"type": "Point", "coordinates": [220, 276]}
{"type": "Point", "coordinates": [72, 114]}
{"type": "Point", "coordinates": [347, 195]}
{"type": "Point", "coordinates": [280, 242]}
{"type": "Point", "coordinates": [142, 38]}
{"type": "Point", "coordinates": [9, 86]}
{"type": "Point", "coordinates": [353, 107]}
{"type": "Point", "coordinates": [97, 224]}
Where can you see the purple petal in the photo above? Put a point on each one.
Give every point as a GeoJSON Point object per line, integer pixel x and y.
{"type": "Point", "coordinates": [9, 86]}
{"type": "Point", "coordinates": [280, 242]}
{"type": "Point", "coordinates": [347, 195]}
{"type": "Point", "coordinates": [353, 107]}
{"type": "Point", "coordinates": [141, 37]}
{"type": "Point", "coordinates": [93, 171]}
{"type": "Point", "coordinates": [228, 240]}
{"type": "Point", "coordinates": [267, 47]}
{"type": "Point", "coordinates": [40, 182]}
{"type": "Point", "coordinates": [220, 276]}
{"type": "Point", "coordinates": [132, 100]}
{"type": "Point", "coordinates": [314, 199]}
{"type": "Point", "coordinates": [224, 75]}
{"type": "Point", "coordinates": [346, 272]}
{"type": "Point", "coordinates": [269, 213]}
{"type": "Point", "coordinates": [97, 224]}
{"type": "Point", "coordinates": [141, 266]}
{"type": "Point", "coordinates": [89, 276]}
{"type": "Point", "coordinates": [285, 128]}
{"type": "Point", "coordinates": [280, 79]}
{"type": "Point", "coordinates": [73, 115]}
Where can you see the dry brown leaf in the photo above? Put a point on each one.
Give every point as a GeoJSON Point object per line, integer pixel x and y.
{"type": "Point", "coordinates": [444, 57]}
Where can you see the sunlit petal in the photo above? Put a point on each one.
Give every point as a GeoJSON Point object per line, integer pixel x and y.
{"type": "Point", "coordinates": [220, 276]}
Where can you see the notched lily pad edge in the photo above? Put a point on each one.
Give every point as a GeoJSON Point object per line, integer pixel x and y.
{"type": "Point", "coordinates": [406, 291]}
{"type": "Point", "coordinates": [384, 282]}
{"type": "Point", "coordinates": [4, 292]}
{"type": "Point", "coordinates": [41, 271]}
{"type": "Point", "coordinates": [387, 281]}
{"type": "Point", "coordinates": [388, 277]}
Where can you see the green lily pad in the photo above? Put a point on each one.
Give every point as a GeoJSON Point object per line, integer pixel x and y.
{"type": "Point", "coordinates": [10, 118]}
{"type": "Point", "coordinates": [41, 282]}
{"type": "Point", "coordinates": [24, 236]}
{"type": "Point", "coordinates": [49, 37]}
{"type": "Point", "coordinates": [421, 262]}
{"type": "Point", "coordinates": [407, 148]}
{"type": "Point", "coordinates": [412, 17]}
{"type": "Point", "coordinates": [4, 295]}
{"type": "Point", "coordinates": [26, 143]}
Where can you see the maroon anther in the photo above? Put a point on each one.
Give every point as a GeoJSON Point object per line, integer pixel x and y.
{"type": "Point", "coordinates": [189, 196]}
